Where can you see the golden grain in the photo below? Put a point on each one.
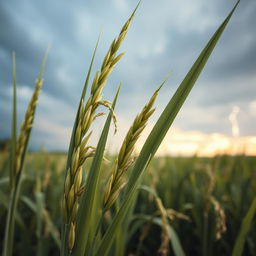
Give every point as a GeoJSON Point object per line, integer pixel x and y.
{"type": "Point", "coordinates": [124, 160]}
{"type": "Point", "coordinates": [87, 114]}
{"type": "Point", "coordinates": [26, 126]}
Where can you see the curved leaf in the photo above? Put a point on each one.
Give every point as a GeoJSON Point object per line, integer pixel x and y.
{"type": "Point", "coordinates": [246, 225]}
{"type": "Point", "coordinates": [157, 135]}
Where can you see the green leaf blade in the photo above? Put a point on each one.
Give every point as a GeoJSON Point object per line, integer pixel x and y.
{"type": "Point", "coordinates": [14, 124]}
{"type": "Point", "coordinates": [246, 225]}
{"type": "Point", "coordinates": [170, 112]}
{"type": "Point", "coordinates": [157, 134]}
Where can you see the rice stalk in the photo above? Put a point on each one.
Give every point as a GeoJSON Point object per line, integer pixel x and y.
{"type": "Point", "coordinates": [165, 241]}
{"type": "Point", "coordinates": [207, 206]}
{"type": "Point", "coordinates": [86, 115]}
{"type": "Point", "coordinates": [18, 153]}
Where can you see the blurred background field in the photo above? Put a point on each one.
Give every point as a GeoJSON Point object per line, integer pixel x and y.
{"type": "Point", "coordinates": [186, 186]}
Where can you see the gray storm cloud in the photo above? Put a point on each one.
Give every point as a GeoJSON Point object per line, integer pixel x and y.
{"type": "Point", "coordinates": [164, 37]}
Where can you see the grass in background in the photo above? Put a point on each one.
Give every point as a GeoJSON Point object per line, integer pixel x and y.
{"type": "Point", "coordinates": [178, 181]}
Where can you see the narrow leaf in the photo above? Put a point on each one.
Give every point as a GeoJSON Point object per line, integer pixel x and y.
{"type": "Point", "coordinates": [14, 124]}
{"type": "Point", "coordinates": [170, 112]}
{"type": "Point", "coordinates": [109, 236]}
{"type": "Point", "coordinates": [157, 134]}
{"type": "Point", "coordinates": [246, 225]}
{"type": "Point", "coordinates": [72, 140]}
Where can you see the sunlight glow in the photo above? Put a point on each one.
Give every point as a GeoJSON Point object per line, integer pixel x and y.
{"type": "Point", "coordinates": [187, 143]}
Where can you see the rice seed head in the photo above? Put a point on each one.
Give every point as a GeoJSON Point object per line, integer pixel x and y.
{"type": "Point", "coordinates": [111, 59]}
{"type": "Point", "coordinates": [86, 113]}
{"type": "Point", "coordinates": [81, 151]}
{"type": "Point", "coordinates": [124, 159]}
{"type": "Point", "coordinates": [27, 125]}
{"type": "Point", "coordinates": [220, 219]}
{"type": "Point", "coordinates": [135, 130]}
{"type": "Point", "coordinates": [110, 56]}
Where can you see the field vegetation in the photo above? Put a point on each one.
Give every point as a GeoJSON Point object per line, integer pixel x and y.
{"type": "Point", "coordinates": [180, 185]}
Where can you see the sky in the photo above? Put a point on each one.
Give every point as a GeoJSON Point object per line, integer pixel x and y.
{"type": "Point", "coordinates": [165, 38]}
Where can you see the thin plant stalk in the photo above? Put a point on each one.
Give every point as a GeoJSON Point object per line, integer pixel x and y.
{"type": "Point", "coordinates": [205, 235]}
{"type": "Point", "coordinates": [8, 240]}
{"type": "Point", "coordinates": [18, 154]}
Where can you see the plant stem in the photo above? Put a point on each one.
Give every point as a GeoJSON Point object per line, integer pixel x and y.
{"type": "Point", "coordinates": [205, 234]}
{"type": "Point", "coordinates": [63, 240]}
{"type": "Point", "coordinates": [9, 228]}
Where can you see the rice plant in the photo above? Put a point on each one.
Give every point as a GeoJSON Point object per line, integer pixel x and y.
{"type": "Point", "coordinates": [18, 154]}
{"type": "Point", "coordinates": [99, 213]}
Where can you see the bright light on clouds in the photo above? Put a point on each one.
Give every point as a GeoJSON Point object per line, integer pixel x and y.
{"type": "Point", "coordinates": [187, 143]}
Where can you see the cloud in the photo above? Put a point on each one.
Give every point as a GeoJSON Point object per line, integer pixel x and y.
{"type": "Point", "coordinates": [163, 37]}
{"type": "Point", "coordinates": [188, 143]}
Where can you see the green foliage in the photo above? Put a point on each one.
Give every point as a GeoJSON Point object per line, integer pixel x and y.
{"type": "Point", "coordinates": [179, 182]}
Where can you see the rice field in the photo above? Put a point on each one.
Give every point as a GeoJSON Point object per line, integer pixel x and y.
{"type": "Point", "coordinates": [181, 183]}
{"type": "Point", "coordinates": [88, 202]}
